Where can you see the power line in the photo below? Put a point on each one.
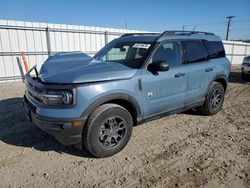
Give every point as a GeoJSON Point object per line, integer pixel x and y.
{"type": "Point", "coordinates": [214, 23]}
{"type": "Point", "coordinates": [243, 29]}
{"type": "Point", "coordinates": [241, 20]}
{"type": "Point", "coordinates": [218, 29]}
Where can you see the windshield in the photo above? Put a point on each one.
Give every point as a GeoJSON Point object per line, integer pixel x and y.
{"type": "Point", "coordinates": [131, 54]}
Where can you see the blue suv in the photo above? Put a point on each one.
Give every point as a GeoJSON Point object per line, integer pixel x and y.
{"type": "Point", "coordinates": [94, 102]}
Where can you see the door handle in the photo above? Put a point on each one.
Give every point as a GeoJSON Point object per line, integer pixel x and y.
{"type": "Point", "coordinates": [209, 69]}
{"type": "Point", "coordinates": [179, 75]}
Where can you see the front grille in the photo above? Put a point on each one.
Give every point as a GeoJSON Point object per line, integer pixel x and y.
{"type": "Point", "coordinates": [38, 93]}
{"type": "Point", "coordinates": [34, 92]}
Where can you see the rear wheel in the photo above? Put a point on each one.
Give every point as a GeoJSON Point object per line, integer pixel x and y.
{"type": "Point", "coordinates": [214, 99]}
{"type": "Point", "coordinates": [108, 130]}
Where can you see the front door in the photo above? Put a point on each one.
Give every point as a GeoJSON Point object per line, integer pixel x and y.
{"type": "Point", "coordinates": [164, 91]}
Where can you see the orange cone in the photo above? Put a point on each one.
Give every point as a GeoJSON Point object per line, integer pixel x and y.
{"type": "Point", "coordinates": [26, 66]}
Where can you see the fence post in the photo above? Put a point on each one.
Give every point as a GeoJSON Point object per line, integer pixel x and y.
{"type": "Point", "coordinates": [48, 41]}
{"type": "Point", "coordinates": [20, 68]}
{"type": "Point", "coordinates": [106, 37]}
{"type": "Point", "coordinates": [246, 51]}
{"type": "Point", "coordinates": [232, 54]}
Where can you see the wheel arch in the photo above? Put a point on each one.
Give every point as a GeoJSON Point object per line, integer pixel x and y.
{"type": "Point", "coordinates": [221, 79]}
{"type": "Point", "coordinates": [122, 99]}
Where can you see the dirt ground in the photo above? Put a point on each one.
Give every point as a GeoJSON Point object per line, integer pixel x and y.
{"type": "Point", "coordinates": [182, 150]}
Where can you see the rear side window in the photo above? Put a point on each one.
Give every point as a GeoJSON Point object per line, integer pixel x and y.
{"type": "Point", "coordinates": [194, 51]}
{"type": "Point", "coordinates": [215, 49]}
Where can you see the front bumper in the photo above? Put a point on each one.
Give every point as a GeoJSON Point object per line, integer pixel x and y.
{"type": "Point", "coordinates": [62, 129]}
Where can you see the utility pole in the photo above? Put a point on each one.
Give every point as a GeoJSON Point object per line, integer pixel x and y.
{"type": "Point", "coordinates": [228, 25]}
{"type": "Point", "coordinates": [183, 27]}
{"type": "Point", "coordinates": [126, 24]}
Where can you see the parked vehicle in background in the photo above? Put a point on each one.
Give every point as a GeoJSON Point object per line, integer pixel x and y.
{"type": "Point", "coordinates": [96, 101]}
{"type": "Point", "coordinates": [245, 68]}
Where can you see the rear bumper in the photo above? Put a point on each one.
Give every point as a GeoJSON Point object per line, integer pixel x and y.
{"type": "Point", "coordinates": [62, 129]}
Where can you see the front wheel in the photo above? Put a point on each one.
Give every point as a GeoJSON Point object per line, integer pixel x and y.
{"type": "Point", "coordinates": [214, 99]}
{"type": "Point", "coordinates": [108, 130]}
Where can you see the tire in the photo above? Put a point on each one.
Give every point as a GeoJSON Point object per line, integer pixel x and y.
{"type": "Point", "coordinates": [243, 76]}
{"type": "Point", "coordinates": [214, 99]}
{"type": "Point", "coordinates": [108, 130]}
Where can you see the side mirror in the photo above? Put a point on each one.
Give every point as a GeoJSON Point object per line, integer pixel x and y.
{"type": "Point", "coordinates": [158, 66]}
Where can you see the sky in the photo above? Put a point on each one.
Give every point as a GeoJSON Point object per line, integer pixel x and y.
{"type": "Point", "coordinates": [146, 15]}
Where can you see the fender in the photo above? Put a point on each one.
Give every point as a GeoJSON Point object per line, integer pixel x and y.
{"type": "Point", "coordinates": [114, 96]}
{"type": "Point", "coordinates": [220, 76]}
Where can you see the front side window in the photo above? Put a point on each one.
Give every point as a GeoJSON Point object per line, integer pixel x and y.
{"type": "Point", "coordinates": [131, 54]}
{"type": "Point", "coordinates": [169, 52]}
{"type": "Point", "coordinates": [194, 51]}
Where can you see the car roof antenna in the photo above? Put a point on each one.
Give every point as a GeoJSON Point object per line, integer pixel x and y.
{"type": "Point", "coordinates": [194, 28]}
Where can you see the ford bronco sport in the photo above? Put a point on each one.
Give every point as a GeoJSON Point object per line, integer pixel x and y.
{"type": "Point", "coordinates": [95, 102]}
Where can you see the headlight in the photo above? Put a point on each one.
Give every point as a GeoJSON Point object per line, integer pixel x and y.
{"type": "Point", "coordinates": [67, 98]}
{"type": "Point", "coordinates": [58, 98]}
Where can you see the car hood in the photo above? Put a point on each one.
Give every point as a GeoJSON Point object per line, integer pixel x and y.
{"type": "Point", "coordinates": [77, 67]}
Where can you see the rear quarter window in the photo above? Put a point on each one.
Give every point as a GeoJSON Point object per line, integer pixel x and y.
{"type": "Point", "coordinates": [215, 49]}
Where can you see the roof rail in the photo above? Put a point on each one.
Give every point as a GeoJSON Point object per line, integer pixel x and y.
{"type": "Point", "coordinates": [170, 33]}
{"type": "Point", "coordinates": [134, 34]}
{"type": "Point", "coordinates": [180, 32]}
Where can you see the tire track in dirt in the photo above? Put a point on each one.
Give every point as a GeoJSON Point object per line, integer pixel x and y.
{"type": "Point", "coordinates": [183, 150]}
{"type": "Point", "coordinates": [203, 161]}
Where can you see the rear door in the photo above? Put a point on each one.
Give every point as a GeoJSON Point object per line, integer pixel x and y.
{"type": "Point", "coordinates": [200, 71]}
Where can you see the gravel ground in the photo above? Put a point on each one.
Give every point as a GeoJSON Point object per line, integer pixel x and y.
{"type": "Point", "coordinates": [182, 150]}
